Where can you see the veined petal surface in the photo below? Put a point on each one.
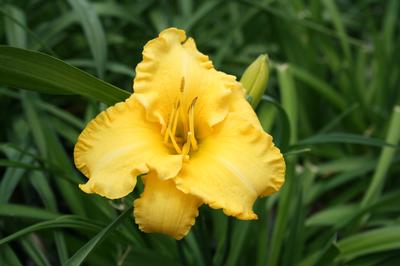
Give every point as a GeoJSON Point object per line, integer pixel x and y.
{"type": "Point", "coordinates": [162, 208]}
{"type": "Point", "coordinates": [173, 69]}
{"type": "Point", "coordinates": [118, 145]}
{"type": "Point", "coordinates": [234, 165]}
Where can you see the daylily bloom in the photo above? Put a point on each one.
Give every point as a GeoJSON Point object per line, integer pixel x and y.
{"type": "Point", "coordinates": [190, 132]}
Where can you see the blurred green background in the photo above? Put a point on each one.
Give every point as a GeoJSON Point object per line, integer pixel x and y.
{"type": "Point", "coordinates": [331, 108]}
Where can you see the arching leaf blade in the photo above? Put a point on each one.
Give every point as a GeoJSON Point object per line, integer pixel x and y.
{"type": "Point", "coordinates": [20, 68]}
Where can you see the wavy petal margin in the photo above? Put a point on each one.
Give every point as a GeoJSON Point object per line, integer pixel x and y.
{"type": "Point", "coordinates": [162, 208]}
{"type": "Point", "coordinates": [118, 145]}
{"type": "Point", "coordinates": [173, 69]}
{"type": "Point", "coordinates": [233, 166]}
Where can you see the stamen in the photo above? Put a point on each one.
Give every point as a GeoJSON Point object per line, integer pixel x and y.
{"type": "Point", "coordinates": [188, 138]}
{"type": "Point", "coordinates": [186, 147]}
{"type": "Point", "coordinates": [181, 113]}
{"type": "Point", "coordinates": [182, 88]}
{"type": "Point", "coordinates": [172, 137]}
{"type": "Point", "coordinates": [174, 126]}
{"type": "Point", "coordinates": [191, 136]}
{"type": "Point", "coordinates": [167, 131]}
{"type": "Point", "coordinates": [184, 119]}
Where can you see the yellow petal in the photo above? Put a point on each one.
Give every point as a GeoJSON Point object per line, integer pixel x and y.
{"type": "Point", "coordinates": [162, 208]}
{"type": "Point", "coordinates": [118, 145]}
{"type": "Point", "coordinates": [158, 84]}
{"type": "Point", "coordinates": [233, 166]}
{"type": "Point", "coordinates": [242, 108]}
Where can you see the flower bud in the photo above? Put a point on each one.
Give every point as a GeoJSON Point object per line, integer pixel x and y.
{"type": "Point", "coordinates": [255, 79]}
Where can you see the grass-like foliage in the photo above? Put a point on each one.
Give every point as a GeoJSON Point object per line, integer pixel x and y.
{"type": "Point", "coordinates": [332, 107]}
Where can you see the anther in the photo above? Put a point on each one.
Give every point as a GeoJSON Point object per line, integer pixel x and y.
{"type": "Point", "coordinates": [182, 85]}
{"type": "Point", "coordinates": [193, 103]}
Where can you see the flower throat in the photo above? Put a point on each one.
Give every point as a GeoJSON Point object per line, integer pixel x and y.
{"type": "Point", "coordinates": [180, 134]}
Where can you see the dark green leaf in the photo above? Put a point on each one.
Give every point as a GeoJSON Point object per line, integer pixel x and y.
{"type": "Point", "coordinates": [36, 71]}
{"type": "Point", "coordinates": [82, 253]}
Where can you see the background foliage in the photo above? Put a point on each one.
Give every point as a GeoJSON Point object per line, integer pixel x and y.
{"type": "Point", "coordinates": [331, 108]}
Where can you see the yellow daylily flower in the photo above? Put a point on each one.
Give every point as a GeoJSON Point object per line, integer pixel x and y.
{"type": "Point", "coordinates": [190, 131]}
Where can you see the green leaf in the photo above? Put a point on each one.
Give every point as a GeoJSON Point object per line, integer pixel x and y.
{"type": "Point", "coordinates": [94, 32]}
{"type": "Point", "coordinates": [16, 164]}
{"type": "Point", "coordinates": [13, 174]}
{"type": "Point", "coordinates": [286, 194]}
{"type": "Point", "coordinates": [320, 86]}
{"type": "Point", "coordinates": [336, 121]}
{"type": "Point", "coordinates": [36, 71]}
{"type": "Point", "coordinates": [22, 211]}
{"type": "Point", "coordinates": [372, 241]}
{"type": "Point", "coordinates": [113, 67]}
{"type": "Point", "coordinates": [284, 120]}
{"type": "Point", "coordinates": [329, 216]}
{"type": "Point", "coordinates": [203, 10]}
{"type": "Point", "coordinates": [343, 138]}
{"type": "Point", "coordinates": [42, 186]}
{"type": "Point", "coordinates": [144, 257]}
{"type": "Point", "coordinates": [35, 252]}
{"type": "Point", "coordinates": [323, 256]}
{"type": "Point", "coordinates": [8, 256]}
{"type": "Point", "coordinates": [110, 9]}
{"type": "Point", "coordinates": [66, 221]}
{"type": "Point", "coordinates": [238, 242]}
{"type": "Point", "coordinates": [16, 35]}
{"type": "Point", "coordinates": [62, 114]}
{"type": "Point", "coordinates": [289, 99]}
{"type": "Point", "coordinates": [35, 121]}
{"type": "Point", "coordinates": [82, 253]}
{"type": "Point", "coordinates": [385, 159]}
{"type": "Point", "coordinates": [339, 26]}
{"type": "Point", "coordinates": [195, 249]}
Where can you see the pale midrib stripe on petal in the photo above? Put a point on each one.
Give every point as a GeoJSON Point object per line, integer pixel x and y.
{"type": "Point", "coordinates": [234, 170]}
{"type": "Point", "coordinates": [109, 157]}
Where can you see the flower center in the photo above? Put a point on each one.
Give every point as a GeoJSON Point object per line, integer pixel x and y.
{"type": "Point", "coordinates": [180, 134]}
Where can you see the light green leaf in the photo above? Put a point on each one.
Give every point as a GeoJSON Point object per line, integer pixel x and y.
{"type": "Point", "coordinates": [16, 35]}
{"type": "Point", "coordinates": [378, 240]}
{"type": "Point", "coordinates": [330, 216]}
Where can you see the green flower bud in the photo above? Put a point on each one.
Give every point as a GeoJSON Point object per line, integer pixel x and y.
{"type": "Point", "coordinates": [255, 79]}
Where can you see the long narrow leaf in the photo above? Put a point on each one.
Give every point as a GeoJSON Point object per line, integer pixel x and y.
{"type": "Point", "coordinates": [93, 30]}
{"type": "Point", "coordinates": [67, 221]}
{"type": "Point", "coordinates": [343, 138]}
{"type": "Point", "coordinates": [82, 253]}
{"type": "Point", "coordinates": [36, 71]}
{"type": "Point", "coordinates": [370, 242]}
